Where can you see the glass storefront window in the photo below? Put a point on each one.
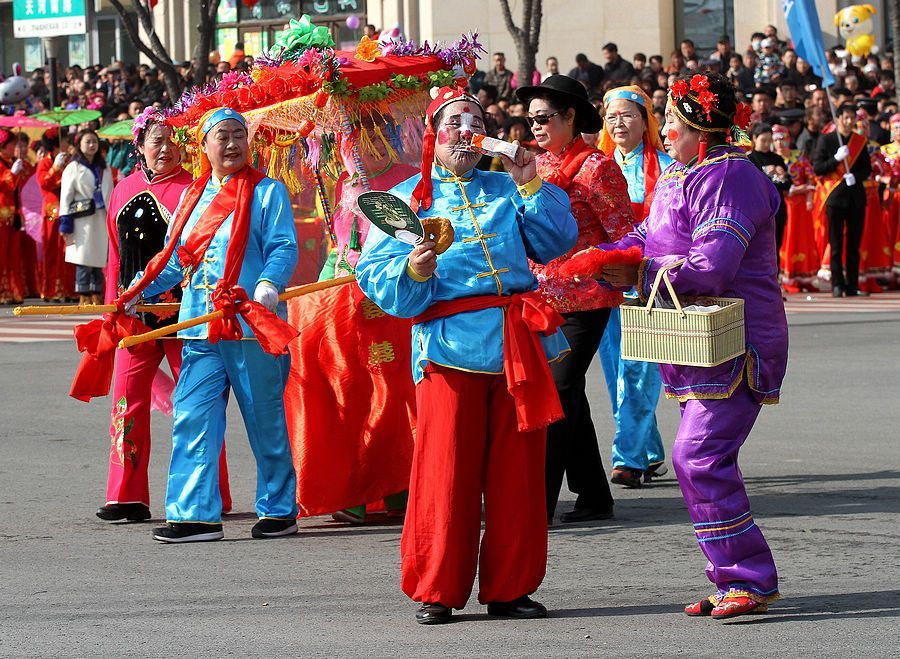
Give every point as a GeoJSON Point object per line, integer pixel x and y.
{"type": "Point", "coordinates": [256, 42]}
{"type": "Point", "coordinates": [226, 37]}
{"type": "Point", "coordinates": [227, 12]}
{"type": "Point", "coordinates": [705, 21]}
{"type": "Point", "coordinates": [267, 10]}
{"type": "Point", "coordinates": [77, 50]}
{"type": "Point", "coordinates": [332, 7]}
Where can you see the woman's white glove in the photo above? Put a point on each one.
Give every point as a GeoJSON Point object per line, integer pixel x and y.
{"type": "Point", "coordinates": [17, 167]}
{"type": "Point", "coordinates": [267, 295]}
{"type": "Point", "coordinates": [60, 160]}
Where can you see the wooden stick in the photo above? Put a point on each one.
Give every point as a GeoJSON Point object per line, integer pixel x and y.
{"type": "Point", "coordinates": [68, 309]}
{"type": "Point", "coordinates": [297, 291]}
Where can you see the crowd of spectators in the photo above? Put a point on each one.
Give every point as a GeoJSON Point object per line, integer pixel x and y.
{"type": "Point", "coordinates": [767, 73]}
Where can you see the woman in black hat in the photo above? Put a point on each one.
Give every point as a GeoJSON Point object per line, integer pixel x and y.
{"type": "Point", "coordinates": [559, 112]}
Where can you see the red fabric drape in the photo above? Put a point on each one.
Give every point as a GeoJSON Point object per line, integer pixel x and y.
{"type": "Point", "coordinates": [349, 401]}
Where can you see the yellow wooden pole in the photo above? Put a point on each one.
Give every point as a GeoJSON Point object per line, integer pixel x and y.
{"type": "Point", "coordinates": [297, 291]}
{"type": "Point", "coordinates": [70, 309]}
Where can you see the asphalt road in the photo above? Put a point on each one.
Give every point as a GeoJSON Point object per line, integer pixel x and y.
{"type": "Point", "coordinates": [823, 473]}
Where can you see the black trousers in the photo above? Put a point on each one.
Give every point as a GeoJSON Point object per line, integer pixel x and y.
{"type": "Point", "coordinates": [852, 219]}
{"type": "Point", "coordinates": [572, 442]}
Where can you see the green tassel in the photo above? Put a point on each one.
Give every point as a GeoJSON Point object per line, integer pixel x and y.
{"type": "Point", "coordinates": [354, 237]}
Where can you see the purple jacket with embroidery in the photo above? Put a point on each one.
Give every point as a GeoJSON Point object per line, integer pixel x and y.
{"type": "Point", "coordinates": [719, 215]}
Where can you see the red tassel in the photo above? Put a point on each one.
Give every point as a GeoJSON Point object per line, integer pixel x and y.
{"type": "Point", "coordinates": [421, 196]}
{"type": "Point", "coordinates": [701, 155]}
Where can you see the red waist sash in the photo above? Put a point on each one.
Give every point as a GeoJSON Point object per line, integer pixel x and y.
{"type": "Point", "coordinates": [528, 377]}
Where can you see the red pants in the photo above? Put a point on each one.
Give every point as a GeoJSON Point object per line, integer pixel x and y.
{"type": "Point", "coordinates": [57, 276]}
{"type": "Point", "coordinates": [468, 445]}
{"type": "Point", "coordinates": [129, 452]}
{"type": "Point", "coordinates": [12, 273]}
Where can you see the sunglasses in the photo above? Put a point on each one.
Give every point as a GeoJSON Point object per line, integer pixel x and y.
{"type": "Point", "coordinates": [541, 119]}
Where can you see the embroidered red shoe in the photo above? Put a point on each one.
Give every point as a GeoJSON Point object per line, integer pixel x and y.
{"type": "Point", "coordinates": [737, 603]}
{"type": "Point", "coordinates": [702, 608]}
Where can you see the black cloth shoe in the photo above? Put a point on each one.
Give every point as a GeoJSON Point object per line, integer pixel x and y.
{"type": "Point", "coordinates": [433, 614]}
{"type": "Point", "coordinates": [856, 293]}
{"type": "Point", "coordinates": [586, 515]}
{"type": "Point", "coordinates": [837, 291]}
{"type": "Point", "coordinates": [188, 532]}
{"type": "Point", "coordinates": [656, 470]}
{"type": "Point", "coordinates": [522, 608]}
{"type": "Point", "coordinates": [274, 527]}
{"type": "Point", "coordinates": [627, 477]}
{"type": "Point", "coordinates": [133, 512]}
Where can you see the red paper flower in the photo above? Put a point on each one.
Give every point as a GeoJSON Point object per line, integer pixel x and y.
{"type": "Point", "coordinates": [699, 83]}
{"type": "Point", "coordinates": [278, 89]}
{"type": "Point", "coordinates": [679, 89]}
{"type": "Point", "coordinates": [707, 99]}
{"type": "Point", "coordinates": [742, 116]}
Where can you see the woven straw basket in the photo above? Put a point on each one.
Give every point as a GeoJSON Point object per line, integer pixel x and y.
{"type": "Point", "coordinates": [675, 336]}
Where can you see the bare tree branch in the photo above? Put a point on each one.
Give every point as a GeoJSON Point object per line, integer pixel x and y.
{"type": "Point", "coordinates": [507, 18]}
{"type": "Point", "coordinates": [208, 11]}
{"type": "Point", "coordinates": [161, 59]}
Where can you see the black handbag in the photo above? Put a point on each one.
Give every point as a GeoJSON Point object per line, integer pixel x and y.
{"type": "Point", "coordinates": [82, 208]}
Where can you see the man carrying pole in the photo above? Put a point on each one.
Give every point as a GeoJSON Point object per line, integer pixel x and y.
{"type": "Point", "coordinates": [233, 231]}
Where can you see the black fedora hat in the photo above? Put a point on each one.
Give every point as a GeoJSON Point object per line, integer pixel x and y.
{"type": "Point", "coordinates": [570, 92]}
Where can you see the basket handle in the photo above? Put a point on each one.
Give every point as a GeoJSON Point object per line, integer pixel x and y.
{"type": "Point", "coordinates": [663, 276]}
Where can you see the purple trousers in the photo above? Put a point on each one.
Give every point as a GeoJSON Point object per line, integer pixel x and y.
{"type": "Point", "coordinates": [705, 459]}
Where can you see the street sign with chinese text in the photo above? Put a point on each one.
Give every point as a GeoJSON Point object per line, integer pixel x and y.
{"type": "Point", "coordinates": [48, 18]}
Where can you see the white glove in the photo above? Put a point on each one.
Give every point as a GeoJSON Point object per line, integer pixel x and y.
{"type": "Point", "coordinates": [267, 295]}
{"type": "Point", "coordinates": [59, 160]}
{"type": "Point", "coordinates": [842, 153]}
{"type": "Point", "coordinates": [849, 179]}
{"type": "Point", "coordinates": [130, 306]}
{"type": "Point", "coordinates": [17, 167]}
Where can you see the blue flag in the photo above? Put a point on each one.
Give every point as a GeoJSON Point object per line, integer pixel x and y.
{"type": "Point", "coordinates": [803, 24]}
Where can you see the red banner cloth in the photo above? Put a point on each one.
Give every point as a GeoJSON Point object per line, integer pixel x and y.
{"type": "Point", "coordinates": [350, 401]}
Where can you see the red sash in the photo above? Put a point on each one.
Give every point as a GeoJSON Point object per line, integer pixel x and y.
{"type": "Point", "coordinates": [94, 374]}
{"type": "Point", "coordinates": [528, 377]}
{"type": "Point", "coordinates": [651, 176]}
{"type": "Point", "coordinates": [828, 183]}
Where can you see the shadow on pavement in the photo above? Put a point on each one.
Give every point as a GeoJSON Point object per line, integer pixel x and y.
{"type": "Point", "coordinates": [875, 604]}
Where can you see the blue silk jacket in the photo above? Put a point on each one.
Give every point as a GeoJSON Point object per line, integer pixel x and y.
{"type": "Point", "coordinates": [498, 227]}
{"type": "Point", "coordinates": [270, 256]}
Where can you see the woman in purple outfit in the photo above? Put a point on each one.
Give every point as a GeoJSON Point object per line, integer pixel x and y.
{"type": "Point", "coordinates": [714, 209]}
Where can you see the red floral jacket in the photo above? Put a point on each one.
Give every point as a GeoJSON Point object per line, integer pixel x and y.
{"type": "Point", "coordinates": [602, 208]}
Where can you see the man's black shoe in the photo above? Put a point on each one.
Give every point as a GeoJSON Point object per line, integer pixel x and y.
{"type": "Point", "coordinates": [188, 532]}
{"type": "Point", "coordinates": [837, 291]}
{"type": "Point", "coordinates": [522, 608]}
{"type": "Point", "coordinates": [433, 614]}
{"type": "Point", "coordinates": [856, 293]}
{"type": "Point", "coordinates": [133, 512]}
{"type": "Point", "coordinates": [586, 515]}
{"type": "Point", "coordinates": [274, 527]}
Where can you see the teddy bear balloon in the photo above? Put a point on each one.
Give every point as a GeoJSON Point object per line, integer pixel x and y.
{"type": "Point", "coordinates": [856, 28]}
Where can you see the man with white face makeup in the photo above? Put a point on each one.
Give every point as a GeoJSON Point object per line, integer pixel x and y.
{"type": "Point", "coordinates": [481, 342]}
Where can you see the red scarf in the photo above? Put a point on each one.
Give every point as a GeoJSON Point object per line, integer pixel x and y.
{"type": "Point", "coordinates": [571, 163]}
{"type": "Point", "coordinates": [272, 332]}
{"type": "Point", "coordinates": [651, 176]}
{"type": "Point", "coordinates": [528, 376]}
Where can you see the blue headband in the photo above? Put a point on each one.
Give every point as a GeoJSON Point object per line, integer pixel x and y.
{"type": "Point", "coordinates": [624, 94]}
{"type": "Point", "coordinates": [220, 115]}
